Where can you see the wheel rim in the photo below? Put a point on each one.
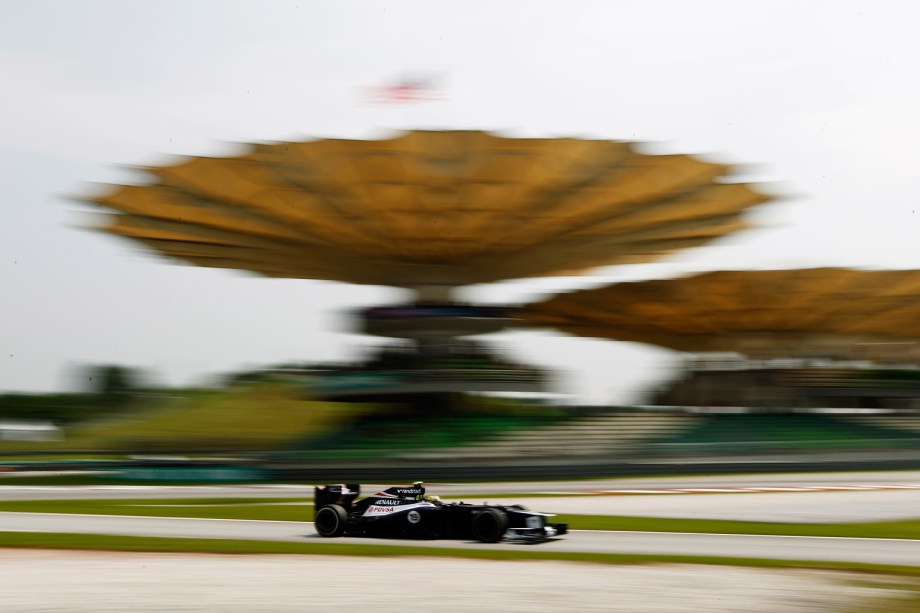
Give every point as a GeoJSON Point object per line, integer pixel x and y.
{"type": "Point", "coordinates": [487, 527]}
{"type": "Point", "coordinates": [327, 521]}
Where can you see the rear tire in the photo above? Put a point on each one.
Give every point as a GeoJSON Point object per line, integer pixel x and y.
{"type": "Point", "coordinates": [331, 520]}
{"type": "Point", "coordinates": [489, 525]}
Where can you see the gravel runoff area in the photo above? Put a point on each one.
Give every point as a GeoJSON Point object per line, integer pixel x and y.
{"type": "Point", "coordinates": [32, 580]}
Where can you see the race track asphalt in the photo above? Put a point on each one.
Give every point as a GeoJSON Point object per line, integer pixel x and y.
{"type": "Point", "coordinates": [867, 550]}
{"type": "Point", "coordinates": [9, 490]}
{"type": "Point", "coordinates": [855, 505]}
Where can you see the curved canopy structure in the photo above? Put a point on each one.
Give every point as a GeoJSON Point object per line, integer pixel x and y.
{"type": "Point", "coordinates": [428, 208]}
{"type": "Point", "coordinates": [777, 313]}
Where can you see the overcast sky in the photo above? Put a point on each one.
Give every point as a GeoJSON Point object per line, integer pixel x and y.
{"type": "Point", "coordinates": [822, 99]}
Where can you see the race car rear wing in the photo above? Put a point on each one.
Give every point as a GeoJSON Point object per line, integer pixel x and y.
{"type": "Point", "coordinates": [340, 494]}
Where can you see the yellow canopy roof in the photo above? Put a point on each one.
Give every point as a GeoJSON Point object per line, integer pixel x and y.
{"type": "Point", "coordinates": [428, 208]}
{"type": "Point", "coordinates": [790, 313]}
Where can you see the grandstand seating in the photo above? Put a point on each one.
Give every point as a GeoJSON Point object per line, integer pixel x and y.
{"type": "Point", "coordinates": [775, 432]}
{"type": "Point", "coordinates": [376, 435]}
{"type": "Point", "coordinates": [907, 423]}
{"type": "Point", "coordinates": [605, 433]}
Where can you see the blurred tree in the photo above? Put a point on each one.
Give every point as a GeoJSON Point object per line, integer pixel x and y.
{"type": "Point", "coordinates": [116, 381]}
{"type": "Point", "coordinates": [111, 381]}
{"type": "Point", "coordinates": [102, 390]}
{"type": "Point", "coordinates": [61, 408]}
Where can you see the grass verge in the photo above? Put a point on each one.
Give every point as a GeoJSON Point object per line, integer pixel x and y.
{"type": "Point", "coordinates": [89, 480]}
{"type": "Point", "coordinates": [64, 541]}
{"type": "Point", "coordinates": [901, 529]}
{"type": "Point", "coordinates": [276, 509]}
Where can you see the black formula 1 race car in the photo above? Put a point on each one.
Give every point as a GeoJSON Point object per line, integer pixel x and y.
{"type": "Point", "coordinates": [406, 512]}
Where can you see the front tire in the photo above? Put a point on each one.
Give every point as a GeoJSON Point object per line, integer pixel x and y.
{"type": "Point", "coordinates": [330, 521]}
{"type": "Point", "coordinates": [489, 525]}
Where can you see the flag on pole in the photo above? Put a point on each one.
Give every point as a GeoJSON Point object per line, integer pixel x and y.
{"type": "Point", "coordinates": [406, 89]}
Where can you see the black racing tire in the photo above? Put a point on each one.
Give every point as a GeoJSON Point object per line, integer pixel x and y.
{"type": "Point", "coordinates": [330, 521]}
{"type": "Point", "coordinates": [489, 525]}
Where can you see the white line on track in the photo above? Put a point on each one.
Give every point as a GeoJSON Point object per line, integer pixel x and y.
{"type": "Point", "coordinates": [737, 490]}
{"type": "Point", "coordinates": [784, 536]}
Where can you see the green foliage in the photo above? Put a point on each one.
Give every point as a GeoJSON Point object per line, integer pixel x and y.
{"type": "Point", "coordinates": [111, 383]}
{"type": "Point", "coordinates": [59, 408]}
{"type": "Point", "coordinates": [255, 417]}
{"type": "Point", "coordinates": [105, 389]}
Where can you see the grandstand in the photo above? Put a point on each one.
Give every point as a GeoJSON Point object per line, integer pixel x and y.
{"type": "Point", "coordinates": [452, 365]}
{"type": "Point", "coordinates": [429, 212]}
{"type": "Point", "coordinates": [596, 433]}
{"type": "Point", "coordinates": [605, 433]}
{"type": "Point", "coordinates": [906, 423]}
{"type": "Point", "coordinates": [781, 432]}
{"type": "Point", "coordinates": [781, 386]}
